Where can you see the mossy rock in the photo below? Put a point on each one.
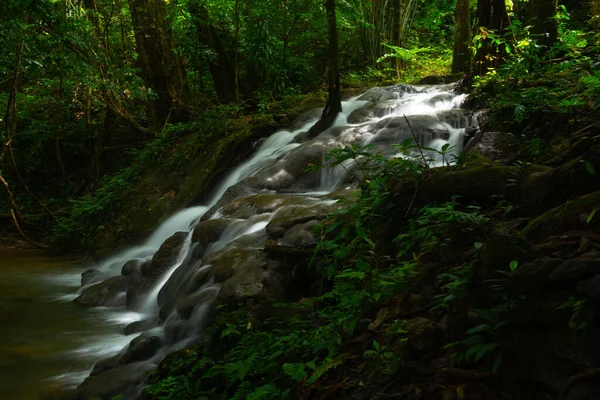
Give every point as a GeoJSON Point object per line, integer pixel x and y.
{"type": "Point", "coordinates": [572, 215]}
{"type": "Point", "coordinates": [207, 232]}
{"type": "Point", "coordinates": [552, 186]}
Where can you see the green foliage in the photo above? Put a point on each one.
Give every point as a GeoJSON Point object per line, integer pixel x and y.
{"type": "Point", "coordinates": [302, 344]}
{"type": "Point", "coordinates": [581, 315]}
{"type": "Point", "coordinates": [534, 81]}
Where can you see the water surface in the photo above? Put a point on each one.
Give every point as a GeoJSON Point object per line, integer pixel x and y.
{"type": "Point", "coordinates": [47, 341]}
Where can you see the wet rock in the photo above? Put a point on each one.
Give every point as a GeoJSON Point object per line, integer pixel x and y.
{"type": "Point", "coordinates": [361, 115]}
{"type": "Point", "coordinates": [305, 118]}
{"type": "Point", "coordinates": [576, 269]}
{"type": "Point", "coordinates": [136, 294]}
{"type": "Point", "coordinates": [246, 272]}
{"type": "Point", "coordinates": [165, 256]}
{"type": "Point", "coordinates": [141, 348]}
{"type": "Point", "coordinates": [105, 364]}
{"type": "Point", "coordinates": [385, 108]}
{"type": "Point", "coordinates": [132, 268]}
{"type": "Point", "coordinates": [378, 94]}
{"type": "Point", "coordinates": [109, 293]}
{"type": "Point", "coordinates": [119, 380]}
{"type": "Point", "coordinates": [288, 217]}
{"type": "Point", "coordinates": [186, 280]}
{"type": "Point", "coordinates": [174, 330]}
{"type": "Point", "coordinates": [234, 192]}
{"type": "Point", "coordinates": [139, 326]}
{"type": "Point", "coordinates": [440, 98]}
{"type": "Point", "coordinates": [300, 235]}
{"type": "Point", "coordinates": [498, 146]}
{"type": "Point", "coordinates": [186, 306]}
{"type": "Point", "coordinates": [231, 260]}
{"type": "Point", "coordinates": [209, 231]}
{"type": "Point", "coordinates": [396, 129]}
{"type": "Point", "coordinates": [263, 203]}
{"type": "Point", "coordinates": [290, 169]}
{"type": "Point", "coordinates": [459, 118]}
{"type": "Point", "coordinates": [90, 276]}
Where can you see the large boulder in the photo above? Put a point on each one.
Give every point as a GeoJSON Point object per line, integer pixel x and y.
{"type": "Point", "coordinates": [378, 94]}
{"type": "Point", "coordinates": [424, 127]}
{"type": "Point", "coordinates": [361, 115]}
{"type": "Point", "coordinates": [164, 258]}
{"type": "Point", "coordinates": [109, 293]}
{"type": "Point", "coordinates": [577, 269]}
{"type": "Point", "coordinates": [122, 379]}
{"type": "Point", "coordinates": [141, 348]}
{"type": "Point", "coordinates": [90, 276]}
{"type": "Point", "coordinates": [207, 232]}
{"type": "Point", "coordinates": [303, 119]}
{"type": "Point", "coordinates": [572, 215]}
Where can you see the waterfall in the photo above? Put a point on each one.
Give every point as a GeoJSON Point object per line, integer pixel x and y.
{"type": "Point", "coordinates": [271, 185]}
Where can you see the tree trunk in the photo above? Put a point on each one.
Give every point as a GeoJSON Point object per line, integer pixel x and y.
{"type": "Point", "coordinates": [221, 67]}
{"type": "Point", "coordinates": [492, 16]}
{"type": "Point", "coordinates": [462, 36]}
{"type": "Point", "coordinates": [334, 100]}
{"type": "Point", "coordinates": [544, 25]}
{"type": "Point", "coordinates": [162, 69]}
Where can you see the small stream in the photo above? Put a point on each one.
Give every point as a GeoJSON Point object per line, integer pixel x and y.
{"type": "Point", "coordinates": [46, 340]}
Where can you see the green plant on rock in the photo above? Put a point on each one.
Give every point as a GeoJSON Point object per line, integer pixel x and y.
{"type": "Point", "coordinates": [581, 315]}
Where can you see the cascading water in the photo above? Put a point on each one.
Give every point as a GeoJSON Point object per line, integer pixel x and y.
{"type": "Point", "coordinates": [231, 229]}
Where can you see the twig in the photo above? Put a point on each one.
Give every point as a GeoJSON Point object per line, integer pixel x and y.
{"type": "Point", "coordinates": [33, 196]}
{"type": "Point", "coordinates": [416, 142]}
{"type": "Point", "coordinates": [31, 242]}
{"type": "Point", "coordinates": [584, 129]}
{"type": "Point", "coordinates": [412, 201]}
{"type": "Point", "coordinates": [591, 374]}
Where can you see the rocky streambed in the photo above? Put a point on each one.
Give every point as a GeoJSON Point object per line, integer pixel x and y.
{"type": "Point", "coordinates": [236, 245]}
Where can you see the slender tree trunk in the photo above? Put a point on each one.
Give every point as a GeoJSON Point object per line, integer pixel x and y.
{"type": "Point", "coordinates": [162, 69]}
{"type": "Point", "coordinates": [396, 63]}
{"type": "Point", "coordinates": [236, 50]}
{"type": "Point", "coordinates": [221, 68]}
{"type": "Point", "coordinates": [544, 25]}
{"type": "Point", "coordinates": [285, 38]}
{"type": "Point", "coordinates": [462, 36]}
{"type": "Point", "coordinates": [334, 100]}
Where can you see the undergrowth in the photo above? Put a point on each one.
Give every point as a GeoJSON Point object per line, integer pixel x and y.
{"type": "Point", "coordinates": [284, 350]}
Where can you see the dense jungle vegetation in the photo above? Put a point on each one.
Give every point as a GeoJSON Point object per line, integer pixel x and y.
{"type": "Point", "coordinates": [456, 282]}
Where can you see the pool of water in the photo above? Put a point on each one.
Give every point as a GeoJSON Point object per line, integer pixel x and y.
{"type": "Point", "coordinates": [46, 341]}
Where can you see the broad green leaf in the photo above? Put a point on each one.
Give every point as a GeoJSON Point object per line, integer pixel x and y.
{"type": "Point", "coordinates": [295, 371]}
{"type": "Point", "coordinates": [590, 168]}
